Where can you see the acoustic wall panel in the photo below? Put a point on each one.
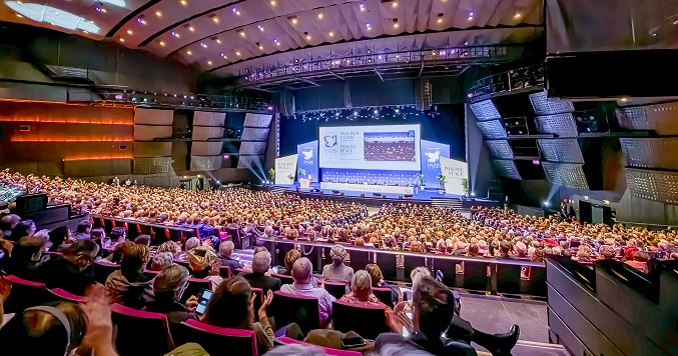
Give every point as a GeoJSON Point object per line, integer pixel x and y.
{"type": "Point", "coordinates": [561, 125]}
{"type": "Point", "coordinates": [651, 152]}
{"type": "Point", "coordinates": [659, 186]}
{"type": "Point", "coordinates": [485, 110]}
{"type": "Point", "coordinates": [201, 133]}
{"type": "Point", "coordinates": [205, 163]}
{"type": "Point", "coordinates": [253, 148]}
{"type": "Point", "coordinates": [98, 167]}
{"type": "Point", "coordinates": [663, 118]}
{"type": "Point", "coordinates": [506, 168]}
{"type": "Point", "coordinates": [152, 165]}
{"type": "Point", "coordinates": [206, 148]}
{"type": "Point", "coordinates": [565, 174]}
{"type": "Point", "coordinates": [251, 162]}
{"type": "Point", "coordinates": [258, 120]}
{"type": "Point", "coordinates": [561, 150]}
{"type": "Point", "coordinates": [153, 117]}
{"type": "Point", "coordinates": [500, 149]}
{"type": "Point", "coordinates": [152, 149]}
{"type": "Point", "coordinates": [250, 134]}
{"type": "Point", "coordinates": [542, 105]}
{"type": "Point", "coordinates": [149, 133]}
{"type": "Point", "coordinates": [492, 129]}
{"type": "Point", "coordinates": [214, 119]}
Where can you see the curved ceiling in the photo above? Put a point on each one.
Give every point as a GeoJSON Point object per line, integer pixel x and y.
{"type": "Point", "coordinates": [212, 35]}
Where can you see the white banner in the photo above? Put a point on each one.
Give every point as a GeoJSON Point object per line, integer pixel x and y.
{"type": "Point", "coordinates": [454, 171]}
{"type": "Point", "coordinates": [368, 188]}
{"type": "Point", "coordinates": [285, 167]}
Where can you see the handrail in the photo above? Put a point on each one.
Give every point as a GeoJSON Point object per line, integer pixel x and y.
{"type": "Point", "coordinates": [159, 226]}
{"type": "Point", "coordinates": [499, 261]}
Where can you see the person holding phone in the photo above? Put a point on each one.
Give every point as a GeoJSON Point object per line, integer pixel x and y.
{"type": "Point", "coordinates": [168, 288]}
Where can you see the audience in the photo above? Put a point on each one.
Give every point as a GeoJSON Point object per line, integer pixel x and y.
{"type": "Point", "coordinates": [302, 273]}
{"type": "Point", "coordinates": [225, 251]}
{"type": "Point", "coordinates": [129, 285]}
{"type": "Point", "coordinates": [72, 271]}
{"type": "Point", "coordinates": [337, 271]}
{"type": "Point", "coordinates": [168, 288]}
{"type": "Point", "coordinates": [257, 279]}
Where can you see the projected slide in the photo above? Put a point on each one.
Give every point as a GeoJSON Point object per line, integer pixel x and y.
{"type": "Point", "coordinates": [388, 147]}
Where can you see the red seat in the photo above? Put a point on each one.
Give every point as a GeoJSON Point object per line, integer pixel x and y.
{"type": "Point", "coordinates": [141, 332]}
{"type": "Point", "coordinates": [67, 296]}
{"type": "Point", "coordinates": [367, 320]}
{"type": "Point", "coordinates": [289, 308]}
{"type": "Point", "coordinates": [217, 340]}
{"type": "Point", "coordinates": [225, 272]}
{"type": "Point", "coordinates": [385, 295]}
{"type": "Point", "coordinates": [103, 270]}
{"type": "Point", "coordinates": [328, 351]}
{"type": "Point", "coordinates": [150, 273]}
{"type": "Point", "coordinates": [194, 287]}
{"type": "Point", "coordinates": [336, 290]}
{"type": "Point", "coordinates": [25, 294]}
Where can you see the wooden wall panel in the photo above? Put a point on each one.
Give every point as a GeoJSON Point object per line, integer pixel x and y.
{"type": "Point", "coordinates": [65, 113]}
{"type": "Point", "coordinates": [88, 168]}
{"type": "Point", "coordinates": [153, 117]}
{"type": "Point", "coordinates": [148, 133]}
{"type": "Point", "coordinates": [215, 119]}
{"type": "Point", "coordinates": [152, 149]}
{"type": "Point", "coordinates": [60, 132]}
{"type": "Point", "coordinates": [201, 133]}
{"type": "Point", "coordinates": [206, 148]}
{"type": "Point", "coordinates": [59, 151]}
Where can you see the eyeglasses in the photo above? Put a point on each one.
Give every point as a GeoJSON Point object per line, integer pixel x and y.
{"type": "Point", "coordinates": [89, 259]}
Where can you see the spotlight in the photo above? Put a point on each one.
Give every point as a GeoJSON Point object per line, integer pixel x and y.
{"type": "Point", "coordinates": [473, 194]}
{"type": "Point", "coordinates": [546, 204]}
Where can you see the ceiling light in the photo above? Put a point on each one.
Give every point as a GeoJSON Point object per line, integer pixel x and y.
{"type": "Point", "coordinates": [320, 16]}
{"type": "Point", "coordinates": [277, 43]}
{"type": "Point", "coordinates": [85, 32]}
{"type": "Point", "coordinates": [209, 63]}
{"type": "Point", "coordinates": [184, 2]}
{"type": "Point", "coordinates": [223, 55]}
{"type": "Point", "coordinates": [51, 15]}
{"type": "Point", "coordinates": [237, 53]}
{"type": "Point", "coordinates": [259, 45]}
{"type": "Point", "coordinates": [517, 15]}
{"type": "Point", "coordinates": [440, 17]}
{"type": "Point", "coordinates": [218, 41]}
{"type": "Point", "coordinates": [121, 39]}
{"type": "Point", "coordinates": [261, 28]}
{"type": "Point", "coordinates": [624, 99]}
{"type": "Point", "coordinates": [129, 32]}
{"type": "Point", "coordinates": [203, 45]}
{"type": "Point", "coordinates": [215, 19]}
{"type": "Point", "coordinates": [235, 11]}
{"type": "Point", "coordinates": [308, 36]}
{"type": "Point", "coordinates": [241, 32]}
{"type": "Point", "coordinates": [471, 14]}
{"type": "Point", "coordinates": [293, 19]}
{"type": "Point", "coordinates": [175, 34]}
{"type": "Point", "coordinates": [470, 18]}
{"type": "Point", "coordinates": [189, 53]}
{"type": "Point", "coordinates": [19, 16]}
{"type": "Point", "coordinates": [362, 7]}
{"type": "Point", "coordinates": [158, 13]}
{"type": "Point", "coordinates": [394, 4]}
{"type": "Point", "coordinates": [331, 34]}
{"type": "Point", "coordinates": [395, 23]}
{"type": "Point", "coordinates": [273, 3]}
{"type": "Point", "coordinates": [141, 20]}
{"type": "Point", "coordinates": [368, 26]}
{"type": "Point", "coordinates": [191, 28]}
{"type": "Point", "coordinates": [162, 43]}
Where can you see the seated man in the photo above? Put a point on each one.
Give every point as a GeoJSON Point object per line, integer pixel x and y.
{"type": "Point", "coordinates": [257, 279]}
{"type": "Point", "coordinates": [225, 251]}
{"type": "Point", "coordinates": [302, 273]}
{"type": "Point", "coordinates": [72, 271]}
{"type": "Point", "coordinates": [83, 230]}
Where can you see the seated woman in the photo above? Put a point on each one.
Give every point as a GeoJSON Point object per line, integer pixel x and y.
{"type": "Point", "coordinates": [168, 287]}
{"type": "Point", "coordinates": [361, 293]}
{"type": "Point", "coordinates": [290, 257]}
{"type": "Point", "coordinates": [378, 281]}
{"type": "Point", "coordinates": [337, 271]}
{"type": "Point", "coordinates": [170, 246]}
{"type": "Point", "coordinates": [26, 256]}
{"type": "Point", "coordinates": [161, 261]}
{"type": "Point", "coordinates": [131, 287]}
{"type": "Point", "coordinates": [204, 264]}
{"type": "Point", "coordinates": [232, 306]}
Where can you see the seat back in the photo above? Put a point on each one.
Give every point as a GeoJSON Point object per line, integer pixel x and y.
{"type": "Point", "coordinates": [359, 259]}
{"type": "Point", "coordinates": [194, 286]}
{"type": "Point", "coordinates": [140, 332]}
{"type": "Point", "coordinates": [508, 278]}
{"type": "Point", "coordinates": [367, 320]}
{"type": "Point", "coordinates": [387, 263]}
{"type": "Point", "coordinates": [25, 294]}
{"type": "Point", "coordinates": [385, 295]}
{"type": "Point", "coordinates": [328, 351]}
{"type": "Point", "coordinates": [336, 290]}
{"type": "Point", "coordinates": [217, 340]}
{"type": "Point", "coordinates": [103, 270]}
{"type": "Point", "coordinates": [61, 294]}
{"type": "Point", "coordinates": [475, 275]}
{"type": "Point", "coordinates": [283, 278]}
{"type": "Point", "coordinates": [150, 273]}
{"type": "Point", "coordinates": [289, 308]}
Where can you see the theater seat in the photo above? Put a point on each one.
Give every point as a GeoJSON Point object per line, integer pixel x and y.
{"type": "Point", "coordinates": [366, 319]}
{"type": "Point", "coordinates": [328, 351]}
{"type": "Point", "coordinates": [385, 295]}
{"type": "Point", "coordinates": [216, 340]}
{"type": "Point", "coordinates": [61, 294]}
{"type": "Point", "coordinates": [103, 270]}
{"type": "Point", "coordinates": [194, 287]}
{"type": "Point", "coordinates": [25, 294]}
{"type": "Point", "coordinates": [150, 273]}
{"type": "Point", "coordinates": [336, 290]}
{"type": "Point", "coordinates": [289, 308]}
{"type": "Point", "coordinates": [140, 332]}
{"type": "Point", "coordinates": [283, 278]}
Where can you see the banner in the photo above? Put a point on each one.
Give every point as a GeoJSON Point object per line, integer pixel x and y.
{"type": "Point", "coordinates": [308, 161]}
{"type": "Point", "coordinates": [430, 161]}
{"type": "Point", "coordinates": [454, 172]}
{"type": "Point", "coordinates": [285, 167]}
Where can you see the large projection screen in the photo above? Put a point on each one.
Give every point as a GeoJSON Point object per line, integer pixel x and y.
{"type": "Point", "coordinates": [386, 147]}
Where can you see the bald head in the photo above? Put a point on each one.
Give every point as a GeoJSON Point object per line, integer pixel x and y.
{"type": "Point", "coordinates": [302, 271]}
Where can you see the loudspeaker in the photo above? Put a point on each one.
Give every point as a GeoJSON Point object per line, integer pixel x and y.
{"type": "Point", "coordinates": [423, 94]}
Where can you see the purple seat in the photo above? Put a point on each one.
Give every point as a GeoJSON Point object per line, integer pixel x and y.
{"type": "Point", "coordinates": [367, 320]}
{"type": "Point", "coordinates": [336, 290]}
{"type": "Point", "coordinates": [328, 351]}
{"type": "Point", "coordinates": [103, 270]}
{"type": "Point", "coordinates": [25, 294]}
{"type": "Point", "coordinates": [217, 340]}
{"type": "Point", "coordinates": [141, 332]}
{"type": "Point", "coordinates": [67, 296]}
{"type": "Point", "coordinates": [289, 308]}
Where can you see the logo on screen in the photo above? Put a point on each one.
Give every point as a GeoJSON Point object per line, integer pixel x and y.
{"type": "Point", "coordinates": [330, 141]}
{"type": "Point", "coordinates": [433, 156]}
{"type": "Point", "coordinates": [307, 154]}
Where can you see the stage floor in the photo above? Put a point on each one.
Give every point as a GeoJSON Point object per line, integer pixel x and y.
{"type": "Point", "coordinates": [423, 194]}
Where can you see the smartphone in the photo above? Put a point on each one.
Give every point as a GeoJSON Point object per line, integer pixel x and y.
{"type": "Point", "coordinates": [352, 342]}
{"type": "Point", "coordinates": [275, 269]}
{"type": "Point", "coordinates": [203, 297]}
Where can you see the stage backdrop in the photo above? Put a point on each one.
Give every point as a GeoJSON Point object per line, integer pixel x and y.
{"type": "Point", "coordinates": [430, 161]}
{"type": "Point", "coordinates": [284, 168]}
{"type": "Point", "coordinates": [454, 172]}
{"type": "Point", "coordinates": [308, 159]}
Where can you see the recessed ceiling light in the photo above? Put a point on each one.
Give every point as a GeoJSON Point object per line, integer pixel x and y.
{"type": "Point", "coordinates": [470, 18]}
{"type": "Point", "coordinates": [362, 7]}
{"type": "Point", "coordinates": [209, 63]}
{"type": "Point", "coordinates": [440, 17]}
{"type": "Point", "coordinates": [162, 43]}
{"type": "Point", "coordinates": [368, 26]}
{"type": "Point", "coordinates": [293, 19]}
{"type": "Point", "coordinates": [277, 43]}
{"type": "Point", "coordinates": [517, 15]}
{"type": "Point", "coordinates": [158, 13]}
{"type": "Point", "coordinates": [235, 11]}
{"type": "Point", "coordinates": [471, 14]}
{"type": "Point", "coordinates": [218, 41]}
{"type": "Point", "coordinates": [395, 23]}
{"type": "Point", "coordinates": [141, 19]}
{"type": "Point", "coordinates": [191, 28]}
{"type": "Point", "coordinates": [273, 3]}
{"type": "Point", "coordinates": [308, 36]}
{"type": "Point", "coordinates": [215, 19]}
{"type": "Point", "coordinates": [129, 32]}
{"type": "Point", "coordinates": [331, 34]}
{"type": "Point", "coordinates": [184, 2]}
{"type": "Point", "coordinates": [189, 53]}
{"type": "Point", "coordinates": [19, 16]}
{"type": "Point", "coordinates": [203, 45]}
{"type": "Point", "coordinates": [175, 34]}
{"type": "Point", "coordinates": [241, 32]}
{"type": "Point", "coordinates": [121, 39]}
{"type": "Point", "coordinates": [237, 53]}
{"type": "Point", "coordinates": [394, 4]}
{"type": "Point", "coordinates": [261, 28]}
{"type": "Point", "coordinates": [85, 32]}
{"type": "Point", "coordinates": [320, 16]}
{"type": "Point", "coordinates": [260, 46]}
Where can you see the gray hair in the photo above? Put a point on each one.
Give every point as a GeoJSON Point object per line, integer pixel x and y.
{"type": "Point", "coordinates": [302, 270]}
{"type": "Point", "coordinates": [338, 253]}
{"type": "Point", "coordinates": [362, 281]}
{"type": "Point", "coordinates": [192, 243]}
{"type": "Point", "coordinates": [296, 350]}
{"type": "Point", "coordinates": [261, 262]}
{"type": "Point", "coordinates": [163, 259]}
{"type": "Point", "coordinates": [226, 248]}
{"type": "Point", "coordinates": [170, 278]}
{"type": "Point", "coordinates": [417, 274]}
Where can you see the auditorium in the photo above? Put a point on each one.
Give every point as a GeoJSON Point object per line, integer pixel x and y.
{"type": "Point", "coordinates": [338, 177]}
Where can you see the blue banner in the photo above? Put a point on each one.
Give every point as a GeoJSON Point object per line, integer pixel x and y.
{"type": "Point", "coordinates": [430, 161]}
{"type": "Point", "coordinates": [308, 161]}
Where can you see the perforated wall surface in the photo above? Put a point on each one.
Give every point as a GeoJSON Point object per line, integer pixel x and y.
{"type": "Point", "coordinates": [500, 149]}
{"type": "Point", "coordinates": [492, 129]}
{"type": "Point", "coordinates": [565, 174]}
{"type": "Point", "coordinates": [506, 168]}
{"type": "Point", "coordinates": [562, 125]}
{"type": "Point", "coordinates": [485, 110]}
{"type": "Point", "coordinates": [543, 106]}
{"type": "Point", "coordinates": [561, 150]}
